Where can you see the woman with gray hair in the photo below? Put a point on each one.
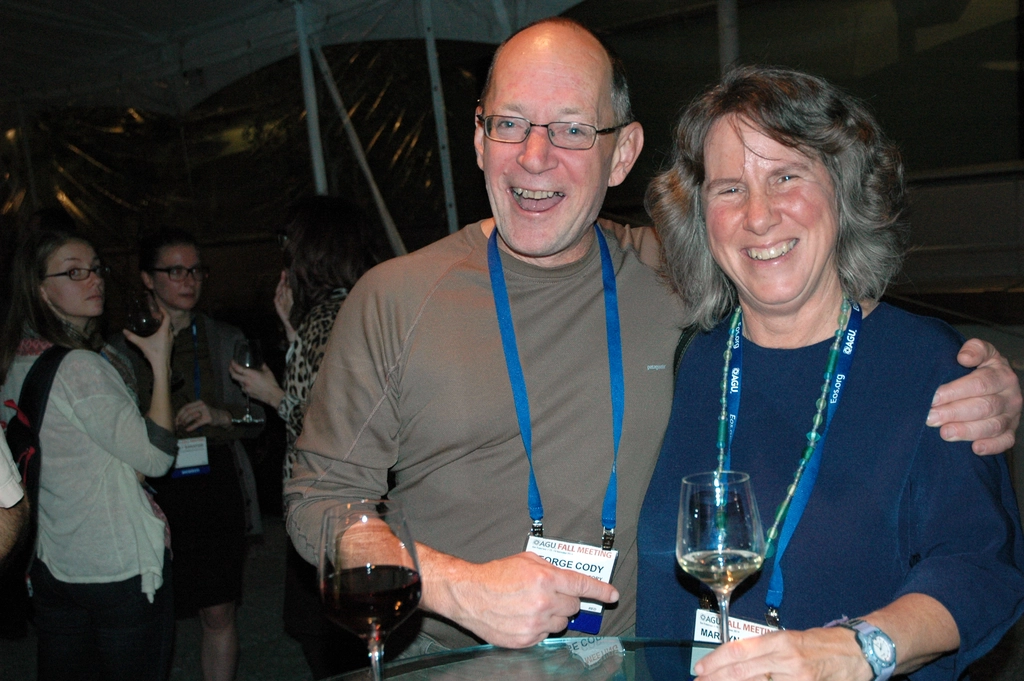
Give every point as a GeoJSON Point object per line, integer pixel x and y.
{"type": "Point", "coordinates": [782, 218]}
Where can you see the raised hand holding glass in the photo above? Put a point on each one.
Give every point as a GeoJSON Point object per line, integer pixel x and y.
{"type": "Point", "coordinates": [249, 354]}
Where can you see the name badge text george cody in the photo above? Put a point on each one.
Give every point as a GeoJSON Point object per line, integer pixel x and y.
{"type": "Point", "coordinates": [585, 559]}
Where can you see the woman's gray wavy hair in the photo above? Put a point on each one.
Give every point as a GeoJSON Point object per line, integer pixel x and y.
{"type": "Point", "coordinates": [808, 114]}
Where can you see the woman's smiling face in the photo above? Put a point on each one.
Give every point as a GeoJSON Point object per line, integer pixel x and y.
{"type": "Point", "coordinates": [771, 219]}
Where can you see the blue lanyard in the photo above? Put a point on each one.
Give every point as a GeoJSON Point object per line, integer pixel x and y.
{"type": "Point", "coordinates": [521, 397]}
{"type": "Point", "coordinates": [732, 395]}
{"type": "Point", "coordinates": [196, 380]}
{"type": "Point", "coordinates": [805, 486]}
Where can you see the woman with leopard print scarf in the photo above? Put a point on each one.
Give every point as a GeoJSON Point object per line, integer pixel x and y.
{"type": "Point", "coordinates": [328, 244]}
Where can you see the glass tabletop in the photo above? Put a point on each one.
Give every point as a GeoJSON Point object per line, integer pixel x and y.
{"type": "Point", "coordinates": [587, 658]}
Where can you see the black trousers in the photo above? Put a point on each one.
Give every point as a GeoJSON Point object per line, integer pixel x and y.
{"type": "Point", "coordinates": [106, 632]}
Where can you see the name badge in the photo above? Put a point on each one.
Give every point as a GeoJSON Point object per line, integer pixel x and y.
{"type": "Point", "coordinates": [582, 558]}
{"type": "Point", "coordinates": [706, 629]}
{"type": "Point", "coordinates": [193, 457]}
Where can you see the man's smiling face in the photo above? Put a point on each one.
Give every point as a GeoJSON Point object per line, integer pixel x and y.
{"type": "Point", "coordinates": [544, 199]}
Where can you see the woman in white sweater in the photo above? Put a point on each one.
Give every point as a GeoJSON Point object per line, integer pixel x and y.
{"type": "Point", "coordinates": [101, 578]}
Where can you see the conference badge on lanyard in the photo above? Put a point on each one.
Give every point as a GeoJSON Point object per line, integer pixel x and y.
{"type": "Point", "coordinates": [706, 630]}
{"type": "Point", "coordinates": [585, 559]}
{"type": "Point", "coordinates": [193, 453]}
{"type": "Point", "coordinates": [193, 457]}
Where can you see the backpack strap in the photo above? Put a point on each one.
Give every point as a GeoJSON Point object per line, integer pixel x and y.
{"type": "Point", "coordinates": [685, 338]}
{"type": "Point", "coordinates": [35, 393]}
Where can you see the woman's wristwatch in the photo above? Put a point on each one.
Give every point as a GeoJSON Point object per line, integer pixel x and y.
{"type": "Point", "coordinates": [878, 648]}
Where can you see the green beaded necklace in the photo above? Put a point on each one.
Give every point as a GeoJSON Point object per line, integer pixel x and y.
{"type": "Point", "coordinates": [812, 437]}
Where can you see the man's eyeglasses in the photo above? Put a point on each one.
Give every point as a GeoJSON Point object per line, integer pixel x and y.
{"type": "Point", "coordinates": [564, 135]}
{"type": "Point", "coordinates": [178, 273]}
{"type": "Point", "coordinates": [81, 273]}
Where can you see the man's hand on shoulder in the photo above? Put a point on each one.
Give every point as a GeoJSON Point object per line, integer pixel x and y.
{"type": "Point", "coordinates": [512, 602]}
{"type": "Point", "coordinates": [983, 406]}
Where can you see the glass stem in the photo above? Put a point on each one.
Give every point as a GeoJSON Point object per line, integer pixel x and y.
{"type": "Point", "coordinates": [248, 415]}
{"type": "Point", "coordinates": [723, 613]}
{"type": "Point", "coordinates": [376, 657]}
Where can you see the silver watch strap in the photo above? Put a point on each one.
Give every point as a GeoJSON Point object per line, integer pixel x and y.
{"type": "Point", "coordinates": [866, 634]}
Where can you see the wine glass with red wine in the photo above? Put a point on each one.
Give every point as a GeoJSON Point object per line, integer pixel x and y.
{"type": "Point", "coordinates": [144, 317]}
{"type": "Point", "coordinates": [368, 572]}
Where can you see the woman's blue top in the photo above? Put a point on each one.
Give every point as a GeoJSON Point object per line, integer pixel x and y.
{"type": "Point", "coordinates": [895, 509]}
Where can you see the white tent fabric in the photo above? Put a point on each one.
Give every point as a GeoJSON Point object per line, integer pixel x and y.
{"type": "Point", "coordinates": [167, 56]}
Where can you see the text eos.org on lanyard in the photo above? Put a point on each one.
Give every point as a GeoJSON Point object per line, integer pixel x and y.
{"type": "Point", "coordinates": [594, 561]}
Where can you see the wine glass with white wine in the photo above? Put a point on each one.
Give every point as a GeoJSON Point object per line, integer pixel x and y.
{"type": "Point", "coordinates": [248, 353]}
{"type": "Point", "coordinates": [719, 540]}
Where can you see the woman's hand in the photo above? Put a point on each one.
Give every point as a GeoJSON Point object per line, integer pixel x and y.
{"type": "Point", "coordinates": [156, 348]}
{"type": "Point", "coordinates": [283, 302]}
{"type": "Point", "coordinates": [816, 654]}
{"type": "Point", "coordinates": [920, 627]}
{"type": "Point", "coordinates": [198, 414]}
{"type": "Point", "coordinates": [157, 351]}
{"type": "Point", "coordinates": [258, 383]}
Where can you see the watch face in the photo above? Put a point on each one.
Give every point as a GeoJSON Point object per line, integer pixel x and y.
{"type": "Point", "coordinates": [883, 649]}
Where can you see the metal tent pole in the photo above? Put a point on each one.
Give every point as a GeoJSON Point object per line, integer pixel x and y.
{"type": "Point", "coordinates": [316, 147]}
{"type": "Point", "coordinates": [440, 120]}
{"type": "Point", "coordinates": [728, 35]}
{"type": "Point", "coordinates": [357, 149]}
{"type": "Point", "coordinates": [28, 157]}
